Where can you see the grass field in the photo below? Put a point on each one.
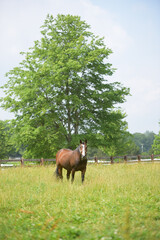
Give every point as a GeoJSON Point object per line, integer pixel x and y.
{"type": "Point", "coordinates": [115, 202]}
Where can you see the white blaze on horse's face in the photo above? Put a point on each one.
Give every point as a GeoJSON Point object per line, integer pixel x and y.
{"type": "Point", "coordinates": [83, 150]}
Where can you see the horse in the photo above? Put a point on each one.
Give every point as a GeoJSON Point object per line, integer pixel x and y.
{"type": "Point", "coordinates": [72, 161]}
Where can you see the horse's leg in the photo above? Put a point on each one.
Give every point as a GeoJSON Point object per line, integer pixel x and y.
{"type": "Point", "coordinates": [73, 173]}
{"type": "Point", "coordinates": [83, 174]}
{"type": "Point", "coordinates": [60, 172]}
{"type": "Point", "coordinates": [68, 174]}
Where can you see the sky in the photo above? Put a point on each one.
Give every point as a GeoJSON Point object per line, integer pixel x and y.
{"type": "Point", "coordinates": [131, 28]}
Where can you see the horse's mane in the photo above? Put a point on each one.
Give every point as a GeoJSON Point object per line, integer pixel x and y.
{"type": "Point", "coordinates": [78, 149]}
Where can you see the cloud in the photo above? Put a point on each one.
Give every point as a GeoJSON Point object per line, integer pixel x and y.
{"type": "Point", "coordinates": [105, 23]}
{"type": "Point", "coordinates": [21, 21]}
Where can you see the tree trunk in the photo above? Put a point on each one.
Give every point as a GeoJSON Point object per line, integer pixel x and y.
{"type": "Point", "coordinates": [76, 125]}
{"type": "Point", "coordinates": [68, 116]}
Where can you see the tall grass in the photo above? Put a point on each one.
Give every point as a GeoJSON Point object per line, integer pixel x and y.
{"type": "Point", "coordinates": [115, 202]}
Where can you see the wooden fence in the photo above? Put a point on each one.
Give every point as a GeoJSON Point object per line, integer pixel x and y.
{"type": "Point", "coordinates": [105, 160]}
{"type": "Point", "coordinates": [127, 159]}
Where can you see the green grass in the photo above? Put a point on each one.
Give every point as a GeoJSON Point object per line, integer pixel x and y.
{"type": "Point", "coordinates": [115, 202]}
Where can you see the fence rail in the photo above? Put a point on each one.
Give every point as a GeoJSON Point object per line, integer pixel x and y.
{"type": "Point", "coordinates": [104, 160]}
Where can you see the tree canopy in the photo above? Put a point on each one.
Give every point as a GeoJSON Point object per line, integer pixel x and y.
{"type": "Point", "coordinates": [60, 91]}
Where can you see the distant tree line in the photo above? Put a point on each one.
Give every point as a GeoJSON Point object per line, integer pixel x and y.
{"type": "Point", "coordinates": [149, 140]}
{"type": "Point", "coordinates": [144, 142]}
{"type": "Point", "coordinates": [138, 143]}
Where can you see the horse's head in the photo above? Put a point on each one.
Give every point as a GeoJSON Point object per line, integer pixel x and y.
{"type": "Point", "coordinates": [83, 150]}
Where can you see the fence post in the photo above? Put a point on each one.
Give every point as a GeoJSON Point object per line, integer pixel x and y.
{"type": "Point", "coordinates": [96, 160]}
{"type": "Point", "coordinates": [112, 161]}
{"type": "Point", "coordinates": [42, 161]}
{"type": "Point", "coordinates": [139, 158]}
{"type": "Point", "coordinates": [125, 159]}
{"type": "Point", "coordinates": [152, 157]}
{"type": "Point", "coordinates": [22, 162]}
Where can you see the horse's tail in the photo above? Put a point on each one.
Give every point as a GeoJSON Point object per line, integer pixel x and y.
{"type": "Point", "coordinates": [57, 160]}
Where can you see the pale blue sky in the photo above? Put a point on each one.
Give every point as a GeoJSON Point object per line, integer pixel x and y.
{"type": "Point", "coordinates": [131, 29]}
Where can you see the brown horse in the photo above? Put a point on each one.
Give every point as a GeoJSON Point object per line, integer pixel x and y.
{"type": "Point", "coordinates": [72, 161]}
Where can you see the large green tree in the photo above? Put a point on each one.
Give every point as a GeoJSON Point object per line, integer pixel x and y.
{"type": "Point", "coordinates": [61, 91]}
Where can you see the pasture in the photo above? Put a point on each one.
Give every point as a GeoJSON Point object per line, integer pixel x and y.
{"type": "Point", "coordinates": [115, 202]}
